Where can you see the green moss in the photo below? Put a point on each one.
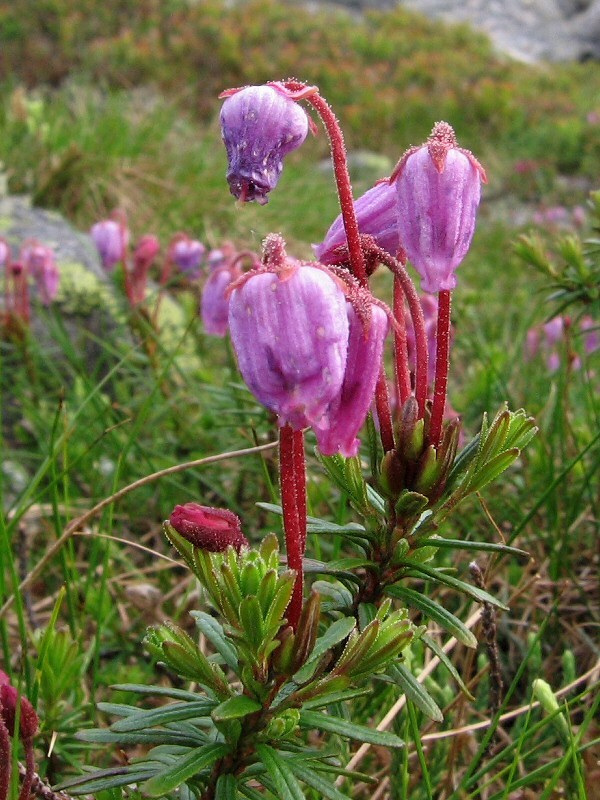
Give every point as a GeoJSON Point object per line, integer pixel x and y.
{"type": "Point", "coordinates": [81, 292]}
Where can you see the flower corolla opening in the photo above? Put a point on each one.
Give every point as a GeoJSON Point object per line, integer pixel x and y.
{"type": "Point", "coordinates": [260, 125]}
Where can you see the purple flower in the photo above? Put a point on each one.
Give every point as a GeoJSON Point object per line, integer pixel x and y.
{"type": "Point", "coordinates": [214, 306]}
{"type": "Point", "coordinates": [4, 253]}
{"type": "Point", "coordinates": [39, 261]}
{"type": "Point", "coordinates": [591, 337]}
{"type": "Point", "coordinates": [377, 215]}
{"type": "Point", "coordinates": [260, 125]}
{"type": "Point", "coordinates": [438, 189]}
{"type": "Point", "coordinates": [289, 328]}
{"type": "Point", "coordinates": [111, 239]}
{"type": "Point", "coordinates": [346, 414]}
{"type": "Point", "coordinates": [188, 254]}
{"type": "Point", "coordinates": [212, 529]}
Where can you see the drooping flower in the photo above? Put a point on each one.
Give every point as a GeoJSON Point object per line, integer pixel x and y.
{"type": "Point", "coordinates": [347, 412]}
{"type": "Point", "coordinates": [40, 263]}
{"type": "Point", "coordinates": [212, 529]}
{"type": "Point", "coordinates": [111, 238]}
{"type": "Point", "coordinates": [145, 252]}
{"type": "Point", "coordinates": [289, 328]}
{"type": "Point", "coordinates": [260, 125]}
{"type": "Point", "coordinates": [188, 254]}
{"type": "Point", "coordinates": [376, 214]}
{"type": "Point", "coordinates": [438, 189]}
{"type": "Point", "coordinates": [214, 305]}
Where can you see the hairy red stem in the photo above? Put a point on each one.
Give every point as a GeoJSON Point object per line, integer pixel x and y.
{"type": "Point", "coordinates": [418, 321]}
{"type": "Point", "coordinates": [401, 345]}
{"type": "Point", "coordinates": [29, 770]}
{"type": "Point", "coordinates": [293, 490]}
{"type": "Point", "coordinates": [384, 416]}
{"type": "Point", "coordinates": [342, 178]}
{"type": "Point", "coordinates": [5, 759]}
{"type": "Point", "coordinates": [442, 364]}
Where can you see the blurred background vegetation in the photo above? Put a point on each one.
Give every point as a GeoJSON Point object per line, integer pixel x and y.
{"type": "Point", "coordinates": [115, 104]}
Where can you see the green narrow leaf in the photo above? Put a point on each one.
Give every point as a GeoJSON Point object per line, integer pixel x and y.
{"type": "Point", "coordinates": [335, 634]}
{"type": "Point", "coordinates": [158, 691]}
{"type": "Point", "coordinates": [492, 469]}
{"type": "Point", "coordinates": [415, 691]}
{"type": "Point", "coordinates": [235, 708]}
{"type": "Point", "coordinates": [226, 788]}
{"type": "Point", "coordinates": [311, 777]}
{"type": "Point", "coordinates": [213, 630]}
{"type": "Point", "coordinates": [459, 544]}
{"type": "Point", "coordinates": [284, 779]}
{"type": "Point", "coordinates": [174, 712]}
{"type": "Point", "coordinates": [438, 651]}
{"type": "Point", "coordinates": [434, 611]}
{"type": "Point", "coordinates": [188, 766]}
{"type": "Point", "coordinates": [349, 730]}
{"type": "Point", "coordinates": [477, 594]}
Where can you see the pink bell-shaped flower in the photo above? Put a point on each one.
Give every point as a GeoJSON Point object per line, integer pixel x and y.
{"type": "Point", "coordinates": [346, 414]}
{"type": "Point", "coordinates": [188, 255]}
{"type": "Point", "coordinates": [214, 306]}
{"type": "Point", "coordinates": [376, 214]}
{"type": "Point", "coordinates": [212, 529]}
{"type": "Point", "coordinates": [289, 329]}
{"type": "Point", "coordinates": [438, 189]}
{"type": "Point", "coordinates": [111, 239]}
{"type": "Point", "coordinates": [39, 261]}
{"type": "Point", "coordinates": [260, 125]}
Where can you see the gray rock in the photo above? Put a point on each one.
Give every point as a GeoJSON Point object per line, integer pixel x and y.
{"type": "Point", "coordinates": [86, 299]}
{"type": "Point", "coordinates": [528, 30]}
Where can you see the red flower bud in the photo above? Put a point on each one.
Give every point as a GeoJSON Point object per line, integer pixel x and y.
{"type": "Point", "coordinates": [28, 722]}
{"type": "Point", "coordinates": [212, 529]}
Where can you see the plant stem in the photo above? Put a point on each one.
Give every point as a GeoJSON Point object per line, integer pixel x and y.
{"type": "Point", "coordinates": [29, 770]}
{"type": "Point", "coordinates": [441, 366]}
{"type": "Point", "coordinates": [384, 416]}
{"type": "Point", "coordinates": [342, 177]}
{"type": "Point", "coordinates": [418, 321]}
{"type": "Point", "coordinates": [400, 345]}
{"type": "Point", "coordinates": [293, 489]}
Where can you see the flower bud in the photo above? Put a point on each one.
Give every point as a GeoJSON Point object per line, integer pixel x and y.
{"type": "Point", "coordinates": [260, 125]}
{"type": "Point", "coordinates": [212, 529]}
{"type": "Point", "coordinates": [111, 239]}
{"type": "Point", "coordinates": [9, 698]}
{"type": "Point", "coordinates": [438, 189]}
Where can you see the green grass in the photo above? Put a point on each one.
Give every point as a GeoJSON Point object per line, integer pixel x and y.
{"type": "Point", "coordinates": [72, 436]}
